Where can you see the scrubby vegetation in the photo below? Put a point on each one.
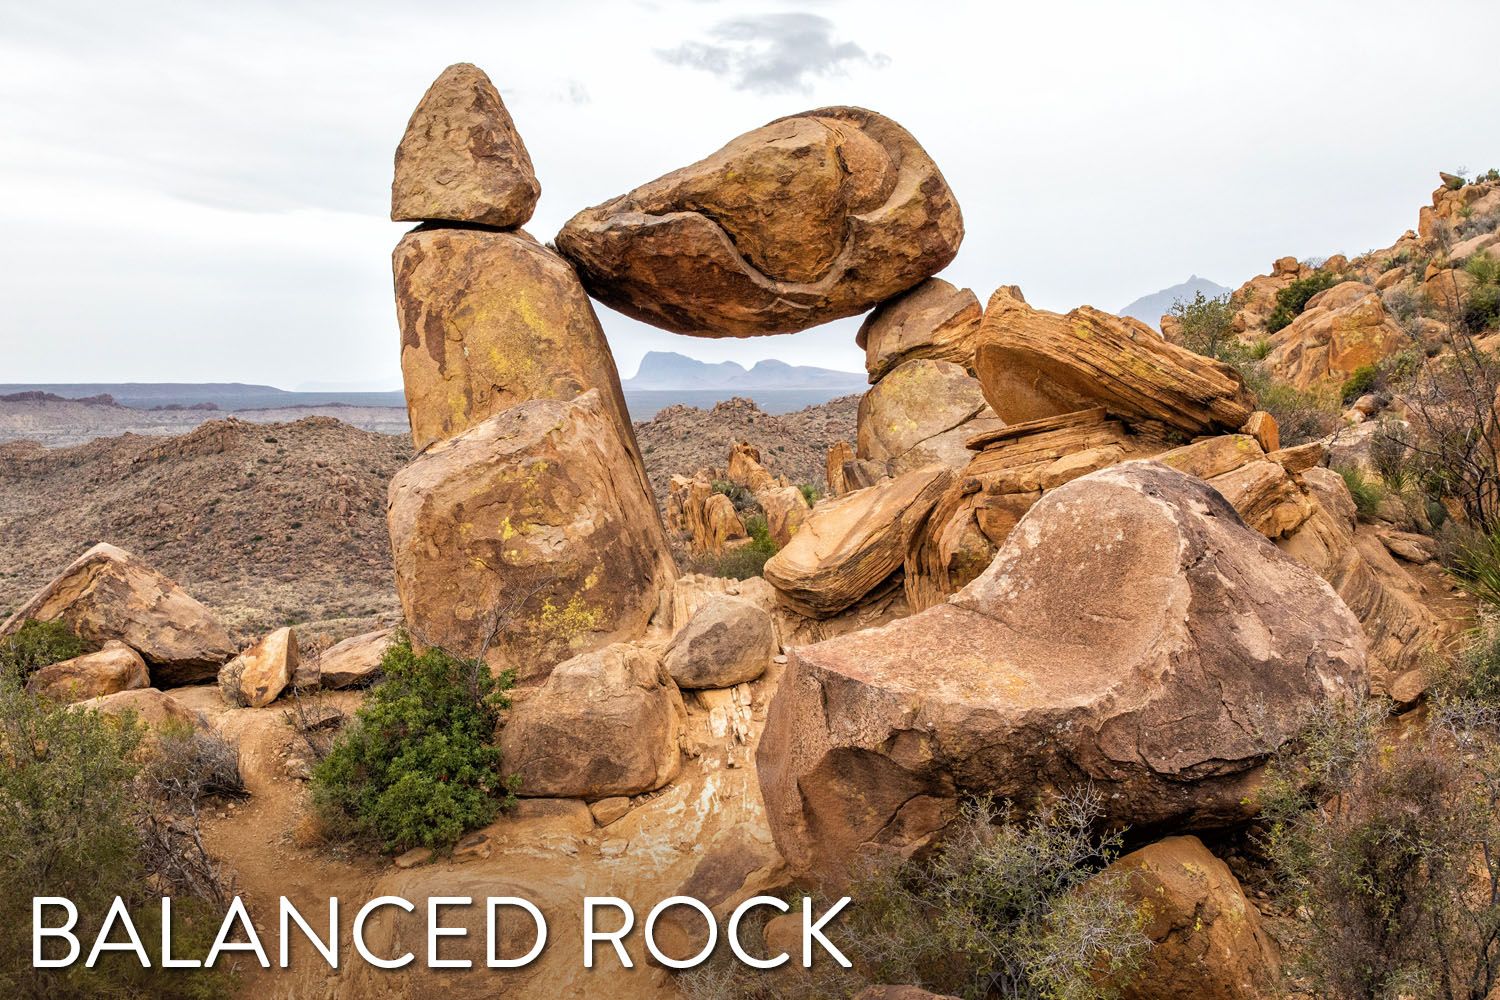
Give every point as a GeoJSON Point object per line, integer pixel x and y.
{"type": "Point", "coordinates": [1292, 299]}
{"type": "Point", "coordinates": [1206, 326]}
{"type": "Point", "coordinates": [418, 765]}
{"type": "Point", "coordinates": [1481, 308]}
{"type": "Point", "coordinates": [1366, 493]}
{"type": "Point", "coordinates": [38, 644]}
{"type": "Point", "coordinates": [1389, 842]}
{"type": "Point", "coordinates": [93, 807]}
{"type": "Point", "coordinates": [1008, 906]}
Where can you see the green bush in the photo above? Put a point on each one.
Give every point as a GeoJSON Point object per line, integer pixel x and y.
{"type": "Point", "coordinates": [78, 816]}
{"type": "Point", "coordinates": [1366, 493]}
{"type": "Point", "coordinates": [1301, 415]}
{"type": "Point", "coordinates": [1292, 299]}
{"type": "Point", "coordinates": [1207, 326]}
{"type": "Point", "coordinates": [810, 493]}
{"type": "Point", "coordinates": [1476, 564]}
{"type": "Point", "coordinates": [36, 645]}
{"type": "Point", "coordinates": [1365, 379]}
{"type": "Point", "coordinates": [744, 501]}
{"type": "Point", "coordinates": [742, 561]}
{"type": "Point", "coordinates": [418, 765]}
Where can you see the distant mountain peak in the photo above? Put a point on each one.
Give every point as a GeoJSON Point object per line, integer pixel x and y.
{"type": "Point", "coordinates": [670, 370]}
{"type": "Point", "coordinates": [1149, 309]}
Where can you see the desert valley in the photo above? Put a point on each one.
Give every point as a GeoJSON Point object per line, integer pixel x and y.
{"type": "Point", "coordinates": [1089, 657]}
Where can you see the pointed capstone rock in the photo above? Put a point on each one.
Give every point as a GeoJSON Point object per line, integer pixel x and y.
{"type": "Point", "coordinates": [461, 159]}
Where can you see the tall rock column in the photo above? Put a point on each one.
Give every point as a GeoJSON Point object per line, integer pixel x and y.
{"type": "Point", "coordinates": [525, 530]}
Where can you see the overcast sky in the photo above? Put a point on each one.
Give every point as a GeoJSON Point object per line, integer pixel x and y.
{"type": "Point", "coordinates": [199, 192]}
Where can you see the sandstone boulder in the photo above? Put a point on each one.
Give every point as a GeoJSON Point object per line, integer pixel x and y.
{"type": "Point", "coordinates": [489, 320]}
{"type": "Point", "coordinates": [148, 706]}
{"type": "Point", "coordinates": [256, 677]}
{"type": "Point", "coordinates": [107, 593]}
{"type": "Point", "coordinates": [812, 217]}
{"type": "Point", "coordinates": [530, 537]}
{"type": "Point", "coordinates": [918, 401]}
{"type": "Point", "coordinates": [838, 453]}
{"type": "Point", "coordinates": [605, 723]}
{"type": "Point", "coordinates": [1132, 632]}
{"type": "Point", "coordinates": [1342, 329]}
{"type": "Point", "coordinates": [726, 642]}
{"type": "Point", "coordinates": [851, 544]}
{"type": "Point", "coordinates": [1207, 941]}
{"type": "Point", "coordinates": [461, 158]}
{"type": "Point", "coordinates": [745, 468]}
{"type": "Point", "coordinates": [112, 669]}
{"type": "Point", "coordinates": [1035, 364]}
{"type": "Point", "coordinates": [933, 320]}
{"type": "Point", "coordinates": [355, 662]}
{"type": "Point", "coordinates": [786, 511]}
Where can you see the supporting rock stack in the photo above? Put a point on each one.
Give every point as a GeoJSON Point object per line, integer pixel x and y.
{"type": "Point", "coordinates": [1133, 633]}
{"type": "Point", "coordinates": [525, 530]}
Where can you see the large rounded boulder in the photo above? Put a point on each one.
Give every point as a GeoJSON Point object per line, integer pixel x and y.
{"type": "Point", "coordinates": [1132, 632]}
{"type": "Point", "coordinates": [813, 217]}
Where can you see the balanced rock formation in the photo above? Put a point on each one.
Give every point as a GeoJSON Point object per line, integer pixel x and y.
{"type": "Point", "coordinates": [849, 545]}
{"type": "Point", "coordinates": [607, 722]}
{"type": "Point", "coordinates": [906, 418]}
{"type": "Point", "coordinates": [933, 320]}
{"type": "Point", "coordinates": [726, 642]}
{"type": "Point", "coordinates": [1132, 632]}
{"type": "Point", "coordinates": [1207, 941]}
{"type": "Point", "coordinates": [112, 669]}
{"type": "Point", "coordinates": [107, 593]}
{"type": "Point", "coordinates": [489, 320]}
{"type": "Point", "coordinates": [461, 159]}
{"type": "Point", "coordinates": [256, 677]}
{"type": "Point", "coordinates": [530, 537]}
{"type": "Point", "coordinates": [813, 217]}
{"type": "Point", "coordinates": [1035, 364]}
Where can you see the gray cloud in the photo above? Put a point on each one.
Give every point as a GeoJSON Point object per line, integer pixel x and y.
{"type": "Point", "coordinates": [772, 53]}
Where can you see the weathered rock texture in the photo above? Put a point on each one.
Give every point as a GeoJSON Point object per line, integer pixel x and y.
{"type": "Point", "coordinates": [727, 642]}
{"type": "Point", "coordinates": [107, 593]}
{"type": "Point", "coordinates": [530, 537]}
{"type": "Point", "coordinates": [354, 662]}
{"type": "Point", "coordinates": [1342, 329]}
{"type": "Point", "coordinates": [112, 669]}
{"type": "Point", "coordinates": [256, 677]}
{"type": "Point", "coordinates": [1132, 632]}
{"type": "Point", "coordinates": [933, 320]}
{"type": "Point", "coordinates": [150, 707]}
{"type": "Point", "coordinates": [916, 403]}
{"type": "Point", "coordinates": [812, 217]}
{"type": "Point", "coordinates": [461, 158]}
{"type": "Point", "coordinates": [608, 722]}
{"type": "Point", "coordinates": [1035, 364]}
{"type": "Point", "coordinates": [1207, 941]}
{"type": "Point", "coordinates": [489, 320]}
{"type": "Point", "coordinates": [848, 546]}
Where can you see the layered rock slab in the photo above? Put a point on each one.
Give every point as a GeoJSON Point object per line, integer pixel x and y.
{"type": "Point", "coordinates": [489, 320]}
{"type": "Point", "coordinates": [529, 538]}
{"type": "Point", "coordinates": [461, 158]}
{"type": "Point", "coordinates": [810, 218]}
{"type": "Point", "coordinates": [1132, 632]}
{"type": "Point", "coordinates": [107, 593]}
{"type": "Point", "coordinates": [934, 320]}
{"type": "Point", "coordinates": [1035, 364]}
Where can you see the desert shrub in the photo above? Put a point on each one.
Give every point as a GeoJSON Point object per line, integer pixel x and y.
{"type": "Point", "coordinates": [1006, 907]}
{"type": "Point", "coordinates": [1480, 308]}
{"type": "Point", "coordinates": [1453, 182]}
{"type": "Point", "coordinates": [418, 765]}
{"type": "Point", "coordinates": [38, 644]}
{"type": "Point", "coordinates": [742, 561]}
{"type": "Point", "coordinates": [1365, 379]}
{"type": "Point", "coordinates": [1261, 349]}
{"type": "Point", "coordinates": [1366, 493]}
{"type": "Point", "coordinates": [1207, 326]}
{"type": "Point", "coordinates": [1475, 561]}
{"type": "Point", "coordinates": [1291, 300]}
{"type": "Point", "coordinates": [1475, 224]}
{"type": "Point", "coordinates": [810, 493]}
{"type": "Point", "coordinates": [744, 501]}
{"type": "Point", "coordinates": [1302, 415]}
{"type": "Point", "coordinates": [76, 820]}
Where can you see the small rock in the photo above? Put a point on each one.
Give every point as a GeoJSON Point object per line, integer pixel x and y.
{"type": "Point", "coordinates": [412, 858]}
{"type": "Point", "coordinates": [606, 811]}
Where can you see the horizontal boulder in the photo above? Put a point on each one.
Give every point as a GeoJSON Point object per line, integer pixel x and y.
{"type": "Point", "coordinates": [1132, 632]}
{"type": "Point", "coordinates": [354, 662]}
{"type": "Point", "coordinates": [112, 669]}
{"type": "Point", "coordinates": [107, 593]}
{"type": "Point", "coordinates": [813, 217]}
{"type": "Point", "coordinates": [528, 538]}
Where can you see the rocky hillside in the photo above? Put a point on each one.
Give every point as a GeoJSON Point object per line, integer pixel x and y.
{"type": "Point", "coordinates": [683, 439]}
{"type": "Point", "coordinates": [266, 523]}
